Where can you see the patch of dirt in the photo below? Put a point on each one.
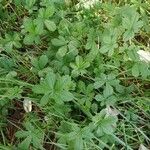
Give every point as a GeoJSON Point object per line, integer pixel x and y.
{"type": "Point", "coordinates": [14, 120]}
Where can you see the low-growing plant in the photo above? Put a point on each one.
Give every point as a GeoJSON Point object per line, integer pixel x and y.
{"type": "Point", "coordinates": [74, 74]}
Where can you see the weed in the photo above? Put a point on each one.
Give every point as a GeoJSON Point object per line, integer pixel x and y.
{"type": "Point", "coordinates": [74, 74]}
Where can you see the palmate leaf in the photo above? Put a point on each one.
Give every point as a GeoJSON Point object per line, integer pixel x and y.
{"type": "Point", "coordinates": [79, 67]}
{"type": "Point", "coordinates": [46, 86]}
{"type": "Point", "coordinates": [107, 82]}
{"type": "Point", "coordinates": [28, 25]}
{"type": "Point", "coordinates": [132, 25]}
{"type": "Point", "coordinates": [29, 39]}
{"type": "Point", "coordinates": [109, 41]}
{"type": "Point", "coordinates": [10, 42]}
{"type": "Point", "coordinates": [60, 41]}
{"type": "Point", "coordinates": [108, 121]}
{"type": "Point", "coordinates": [73, 135]}
{"type": "Point", "coordinates": [64, 96]}
{"type": "Point", "coordinates": [105, 125]}
{"type": "Point", "coordinates": [63, 83]}
{"type": "Point", "coordinates": [61, 91]}
{"type": "Point", "coordinates": [47, 12]}
{"type": "Point", "coordinates": [39, 63]}
{"type": "Point", "coordinates": [108, 48]}
{"type": "Point", "coordinates": [89, 45]}
{"type": "Point", "coordinates": [54, 87]}
{"type": "Point", "coordinates": [31, 136]}
{"type": "Point", "coordinates": [41, 88]}
{"type": "Point", "coordinates": [29, 4]}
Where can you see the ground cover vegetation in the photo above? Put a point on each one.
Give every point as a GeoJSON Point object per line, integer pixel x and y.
{"type": "Point", "coordinates": [74, 75]}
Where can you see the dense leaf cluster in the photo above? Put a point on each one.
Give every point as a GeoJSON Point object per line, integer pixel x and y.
{"type": "Point", "coordinates": [80, 68]}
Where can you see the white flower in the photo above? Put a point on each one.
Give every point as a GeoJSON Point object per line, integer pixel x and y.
{"type": "Point", "coordinates": [46, 118]}
{"type": "Point", "coordinates": [111, 112]}
{"type": "Point", "coordinates": [31, 68]}
{"type": "Point", "coordinates": [41, 78]}
{"type": "Point", "coordinates": [144, 55]}
{"type": "Point", "coordinates": [87, 4]}
{"type": "Point", "coordinates": [68, 2]}
{"type": "Point", "coordinates": [142, 147]}
{"type": "Point", "coordinates": [27, 105]}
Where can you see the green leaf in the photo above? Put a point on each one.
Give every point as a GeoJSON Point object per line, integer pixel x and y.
{"type": "Point", "coordinates": [93, 53]}
{"type": "Point", "coordinates": [43, 61]}
{"type": "Point", "coordinates": [11, 75]}
{"type": "Point", "coordinates": [31, 135]}
{"type": "Point", "coordinates": [72, 46]}
{"type": "Point", "coordinates": [39, 26]}
{"type": "Point", "coordinates": [63, 96]}
{"type": "Point", "coordinates": [132, 25]}
{"type": "Point", "coordinates": [109, 42]}
{"type": "Point", "coordinates": [44, 100]}
{"type": "Point", "coordinates": [135, 70]}
{"type": "Point", "coordinates": [128, 35]}
{"type": "Point", "coordinates": [98, 83]}
{"type": "Point", "coordinates": [144, 69]}
{"type": "Point", "coordinates": [29, 4]}
{"type": "Point", "coordinates": [107, 124]}
{"type": "Point", "coordinates": [59, 42]}
{"type": "Point", "coordinates": [22, 134]}
{"type": "Point", "coordinates": [29, 39]}
{"type": "Point", "coordinates": [99, 97]}
{"type": "Point", "coordinates": [62, 51]}
{"type": "Point", "coordinates": [13, 92]}
{"type": "Point", "coordinates": [94, 107]}
{"type": "Point", "coordinates": [132, 53]}
{"type": "Point", "coordinates": [79, 61]}
{"type": "Point", "coordinates": [66, 96]}
{"type": "Point", "coordinates": [108, 90]}
{"type": "Point", "coordinates": [47, 12]}
{"type": "Point", "coordinates": [42, 88]}
{"type": "Point", "coordinates": [24, 145]}
{"type": "Point", "coordinates": [50, 80]}
{"type": "Point", "coordinates": [46, 86]}
{"type": "Point", "coordinates": [78, 143]}
{"type": "Point", "coordinates": [50, 25]}
{"type": "Point", "coordinates": [34, 62]}
{"type": "Point", "coordinates": [37, 139]}
{"type": "Point", "coordinates": [79, 67]}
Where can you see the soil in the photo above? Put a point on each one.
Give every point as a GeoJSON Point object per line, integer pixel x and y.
{"type": "Point", "coordinates": [14, 120]}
